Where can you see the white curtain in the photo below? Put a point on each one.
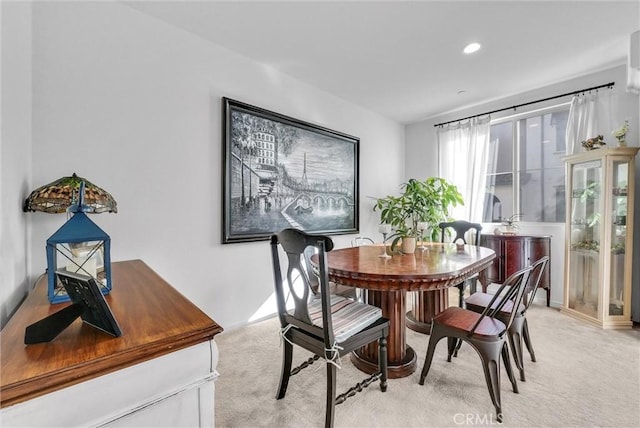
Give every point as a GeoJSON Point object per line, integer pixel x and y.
{"type": "Point", "coordinates": [463, 153]}
{"type": "Point", "coordinates": [590, 115]}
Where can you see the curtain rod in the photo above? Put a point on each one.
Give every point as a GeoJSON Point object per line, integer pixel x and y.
{"type": "Point", "coordinates": [608, 85]}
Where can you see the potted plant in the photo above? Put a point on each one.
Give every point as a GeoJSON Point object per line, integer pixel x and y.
{"type": "Point", "coordinates": [511, 224]}
{"type": "Point", "coordinates": [426, 201]}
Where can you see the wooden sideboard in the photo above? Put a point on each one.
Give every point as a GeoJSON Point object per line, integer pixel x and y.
{"type": "Point", "coordinates": [514, 252]}
{"type": "Point", "coordinates": [161, 371]}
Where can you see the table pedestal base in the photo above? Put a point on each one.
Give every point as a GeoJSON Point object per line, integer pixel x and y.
{"type": "Point", "coordinates": [363, 360]}
{"type": "Point", "coordinates": [401, 358]}
{"type": "Point", "coordinates": [426, 305]}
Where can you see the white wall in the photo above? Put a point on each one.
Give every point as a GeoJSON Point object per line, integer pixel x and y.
{"type": "Point", "coordinates": [421, 153]}
{"type": "Point", "coordinates": [15, 149]}
{"type": "Point", "coordinates": [134, 105]}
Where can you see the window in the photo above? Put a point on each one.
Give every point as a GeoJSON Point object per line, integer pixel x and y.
{"type": "Point", "coordinates": [525, 171]}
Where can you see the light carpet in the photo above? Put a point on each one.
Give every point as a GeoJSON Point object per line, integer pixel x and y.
{"type": "Point", "coordinates": [583, 377]}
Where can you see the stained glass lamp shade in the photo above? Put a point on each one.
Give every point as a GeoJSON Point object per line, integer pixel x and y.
{"type": "Point", "coordinates": [58, 196]}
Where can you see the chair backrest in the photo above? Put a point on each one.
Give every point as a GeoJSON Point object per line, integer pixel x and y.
{"type": "Point", "coordinates": [361, 240]}
{"type": "Point", "coordinates": [511, 290]}
{"type": "Point", "coordinates": [461, 227]}
{"type": "Point", "coordinates": [537, 270]}
{"type": "Point", "coordinates": [314, 281]}
{"type": "Point", "coordinates": [294, 243]}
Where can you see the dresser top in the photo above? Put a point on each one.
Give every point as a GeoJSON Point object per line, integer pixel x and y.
{"type": "Point", "coordinates": [155, 319]}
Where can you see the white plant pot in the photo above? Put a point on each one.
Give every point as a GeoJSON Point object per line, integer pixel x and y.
{"type": "Point", "coordinates": [408, 245]}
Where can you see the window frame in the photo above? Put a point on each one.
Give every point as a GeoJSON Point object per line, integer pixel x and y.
{"type": "Point", "coordinates": [516, 120]}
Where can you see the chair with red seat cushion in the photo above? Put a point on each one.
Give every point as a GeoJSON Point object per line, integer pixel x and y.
{"type": "Point", "coordinates": [519, 329]}
{"type": "Point", "coordinates": [484, 332]}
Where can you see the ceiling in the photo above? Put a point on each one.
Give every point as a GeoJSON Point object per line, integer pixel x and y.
{"type": "Point", "coordinates": [404, 59]}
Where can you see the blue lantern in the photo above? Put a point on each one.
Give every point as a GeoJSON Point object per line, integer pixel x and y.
{"type": "Point", "coordinates": [79, 246]}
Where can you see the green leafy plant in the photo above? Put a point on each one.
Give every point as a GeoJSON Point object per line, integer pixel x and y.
{"type": "Point", "coordinates": [590, 191]}
{"type": "Point", "coordinates": [593, 219]}
{"type": "Point", "coordinates": [421, 201]}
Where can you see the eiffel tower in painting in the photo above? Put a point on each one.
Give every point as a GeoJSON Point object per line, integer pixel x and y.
{"type": "Point", "coordinates": [304, 170]}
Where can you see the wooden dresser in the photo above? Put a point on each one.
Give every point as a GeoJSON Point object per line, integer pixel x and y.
{"type": "Point", "coordinates": [160, 372]}
{"type": "Point", "coordinates": [514, 252]}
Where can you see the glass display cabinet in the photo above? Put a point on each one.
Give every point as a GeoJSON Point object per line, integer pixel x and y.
{"type": "Point", "coordinates": [599, 234]}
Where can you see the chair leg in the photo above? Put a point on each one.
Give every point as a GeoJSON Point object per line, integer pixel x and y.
{"type": "Point", "coordinates": [515, 342]}
{"type": "Point", "coordinates": [331, 395]}
{"type": "Point", "coordinates": [490, 356]}
{"type": "Point", "coordinates": [527, 340]}
{"type": "Point", "coordinates": [508, 368]}
{"type": "Point", "coordinates": [287, 358]}
{"type": "Point", "coordinates": [455, 352]}
{"type": "Point", "coordinates": [382, 362]}
{"type": "Point", "coordinates": [452, 343]}
{"type": "Point", "coordinates": [434, 338]}
{"type": "Point", "coordinates": [460, 294]}
{"type": "Point", "coordinates": [456, 347]}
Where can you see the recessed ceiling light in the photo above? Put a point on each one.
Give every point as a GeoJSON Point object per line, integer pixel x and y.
{"type": "Point", "coordinates": [471, 48]}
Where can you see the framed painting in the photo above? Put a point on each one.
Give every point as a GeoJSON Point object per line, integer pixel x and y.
{"type": "Point", "coordinates": [281, 172]}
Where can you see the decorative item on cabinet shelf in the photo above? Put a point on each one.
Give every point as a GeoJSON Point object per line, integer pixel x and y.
{"type": "Point", "coordinates": [620, 191]}
{"type": "Point", "coordinates": [594, 143]}
{"type": "Point", "coordinates": [583, 233]}
{"type": "Point", "coordinates": [618, 248]}
{"type": "Point", "coordinates": [621, 134]}
{"type": "Point", "coordinates": [593, 246]}
{"type": "Point", "coordinates": [620, 220]}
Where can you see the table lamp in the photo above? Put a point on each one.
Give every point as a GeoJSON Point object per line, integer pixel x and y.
{"type": "Point", "coordinates": [79, 246]}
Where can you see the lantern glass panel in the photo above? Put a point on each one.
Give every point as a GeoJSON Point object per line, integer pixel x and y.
{"type": "Point", "coordinates": [84, 258]}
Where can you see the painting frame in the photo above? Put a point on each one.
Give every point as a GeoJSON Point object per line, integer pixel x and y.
{"type": "Point", "coordinates": [281, 172]}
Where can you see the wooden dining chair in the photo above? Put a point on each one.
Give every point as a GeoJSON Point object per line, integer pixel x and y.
{"type": "Point", "coordinates": [329, 326]}
{"type": "Point", "coordinates": [519, 328]}
{"type": "Point", "coordinates": [462, 228]}
{"type": "Point", "coordinates": [484, 332]}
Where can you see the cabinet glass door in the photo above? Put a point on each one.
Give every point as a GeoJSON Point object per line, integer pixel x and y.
{"type": "Point", "coordinates": [619, 192]}
{"type": "Point", "coordinates": [584, 257]}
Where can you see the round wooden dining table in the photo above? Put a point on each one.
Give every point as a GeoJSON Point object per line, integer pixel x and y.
{"type": "Point", "coordinates": [387, 281]}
